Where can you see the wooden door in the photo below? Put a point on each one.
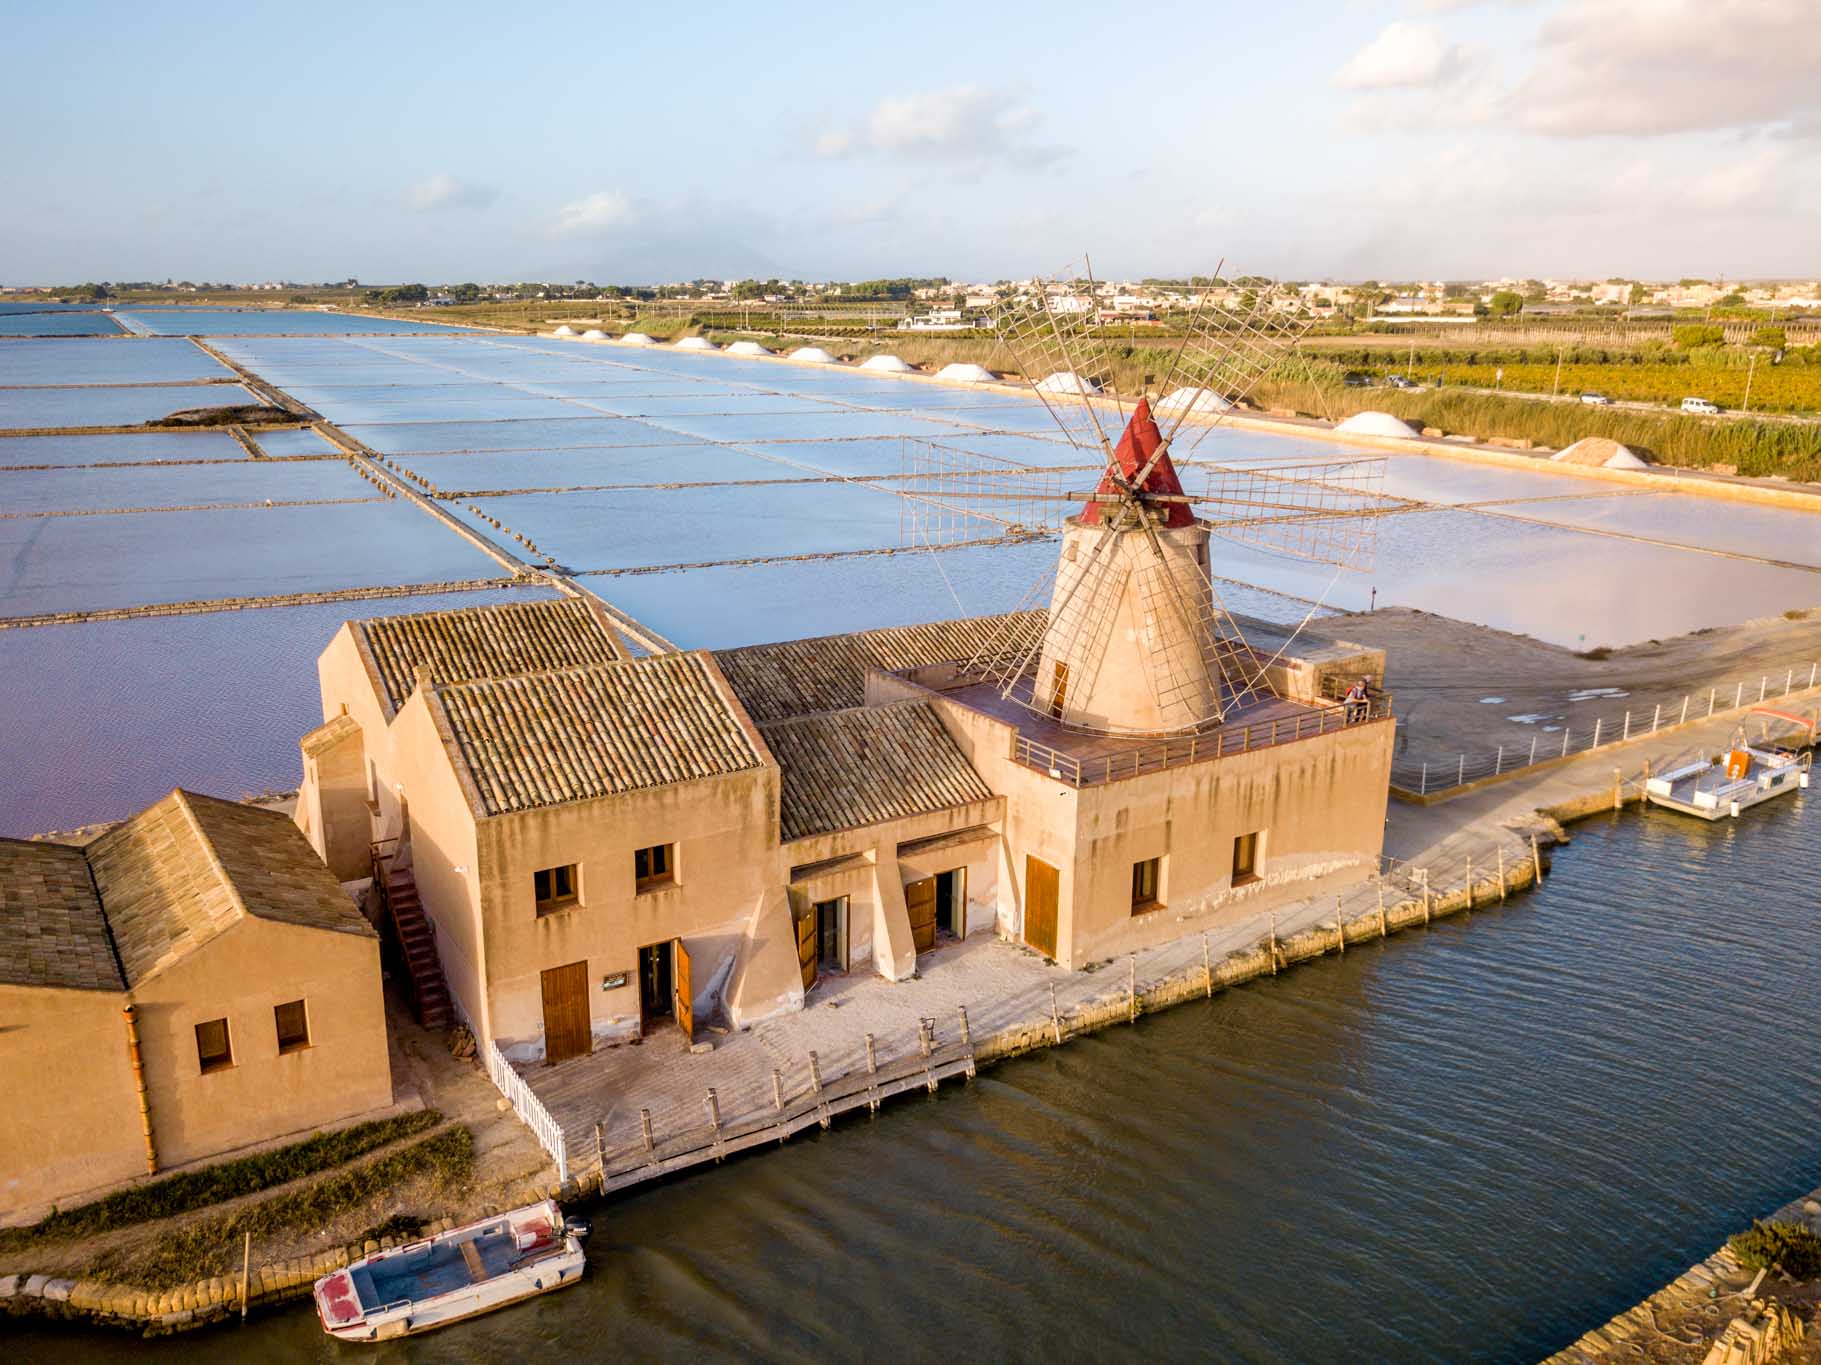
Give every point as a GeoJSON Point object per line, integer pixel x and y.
{"type": "Point", "coordinates": [1040, 898]}
{"type": "Point", "coordinates": [806, 947]}
{"type": "Point", "coordinates": [679, 976]}
{"type": "Point", "coordinates": [566, 1029]}
{"type": "Point", "coordinates": [920, 901]}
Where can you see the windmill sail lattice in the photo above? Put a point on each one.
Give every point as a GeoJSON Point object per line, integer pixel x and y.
{"type": "Point", "coordinates": [1137, 639]}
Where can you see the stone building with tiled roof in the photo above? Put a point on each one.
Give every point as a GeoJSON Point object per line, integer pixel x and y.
{"type": "Point", "coordinates": [197, 982]}
{"type": "Point", "coordinates": [605, 844]}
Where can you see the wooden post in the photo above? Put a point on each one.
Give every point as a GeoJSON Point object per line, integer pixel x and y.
{"type": "Point", "coordinates": [1274, 943]}
{"type": "Point", "coordinates": [1425, 872]}
{"type": "Point", "coordinates": [1536, 860]}
{"type": "Point", "coordinates": [967, 1038]}
{"type": "Point", "coordinates": [926, 1036]}
{"type": "Point", "coordinates": [1131, 989]}
{"type": "Point", "coordinates": [714, 1122]}
{"type": "Point", "coordinates": [1384, 929]}
{"type": "Point", "coordinates": [1618, 789]}
{"type": "Point", "coordinates": [1340, 925]}
{"type": "Point", "coordinates": [777, 1089]}
{"type": "Point", "coordinates": [1055, 1016]}
{"type": "Point", "coordinates": [872, 1057]}
{"type": "Point", "coordinates": [1470, 883]}
{"type": "Point", "coordinates": [815, 1074]}
{"type": "Point", "coordinates": [1207, 969]}
{"type": "Point", "coordinates": [1501, 874]}
{"type": "Point", "coordinates": [645, 1128]}
{"type": "Point", "coordinates": [600, 1147]}
{"type": "Point", "coordinates": [246, 1266]}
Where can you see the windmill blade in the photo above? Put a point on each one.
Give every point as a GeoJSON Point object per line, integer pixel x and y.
{"type": "Point", "coordinates": [1236, 336]}
{"type": "Point", "coordinates": [950, 496]}
{"type": "Point", "coordinates": [1049, 334]}
{"type": "Point", "coordinates": [1325, 511]}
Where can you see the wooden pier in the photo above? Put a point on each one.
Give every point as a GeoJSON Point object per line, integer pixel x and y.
{"type": "Point", "coordinates": [808, 1100]}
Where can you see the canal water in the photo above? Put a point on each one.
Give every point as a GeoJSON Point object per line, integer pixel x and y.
{"type": "Point", "coordinates": [1469, 1143]}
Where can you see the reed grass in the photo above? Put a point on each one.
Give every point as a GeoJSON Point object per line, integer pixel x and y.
{"type": "Point", "coordinates": [213, 1247]}
{"type": "Point", "coordinates": [221, 1182]}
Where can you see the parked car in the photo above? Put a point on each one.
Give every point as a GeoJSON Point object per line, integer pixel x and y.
{"type": "Point", "coordinates": [1596, 400]}
{"type": "Point", "coordinates": [1355, 380]}
{"type": "Point", "coordinates": [1700, 405]}
{"type": "Point", "coordinates": [1398, 381]}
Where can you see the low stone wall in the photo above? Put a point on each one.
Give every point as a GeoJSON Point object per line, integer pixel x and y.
{"type": "Point", "coordinates": [195, 1304]}
{"type": "Point", "coordinates": [1705, 1284]}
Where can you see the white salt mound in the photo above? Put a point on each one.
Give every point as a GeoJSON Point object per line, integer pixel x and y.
{"type": "Point", "coordinates": [748, 348]}
{"type": "Point", "coordinates": [1064, 382]}
{"type": "Point", "coordinates": [1204, 402]}
{"type": "Point", "coordinates": [637, 339]}
{"type": "Point", "coordinates": [812, 355]}
{"type": "Point", "coordinates": [1375, 424]}
{"type": "Point", "coordinates": [1600, 452]}
{"type": "Point", "coordinates": [564, 331]}
{"type": "Point", "coordinates": [697, 344]}
{"type": "Point", "coordinates": [887, 364]}
{"type": "Point", "coordinates": [959, 373]}
{"type": "Point", "coordinates": [594, 334]}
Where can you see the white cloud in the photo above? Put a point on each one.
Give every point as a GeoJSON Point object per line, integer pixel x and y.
{"type": "Point", "coordinates": [444, 191]}
{"type": "Point", "coordinates": [595, 215]}
{"type": "Point", "coordinates": [963, 123]}
{"type": "Point", "coordinates": [1405, 56]}
{"type": "Point", "coordinates": [1653, 67]}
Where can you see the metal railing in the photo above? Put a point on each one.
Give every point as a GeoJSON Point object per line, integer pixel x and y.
{"type": "Point", "coordinates": [528, 1107]}
{"type": "Point", "coordinates": [1441, 773]}
{"type": "Point", "coordinates": [1321, 719]}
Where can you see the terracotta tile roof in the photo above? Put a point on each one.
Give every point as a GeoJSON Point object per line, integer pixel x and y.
{"type": "Point", "coordinates": [190, 866]}
{"type": "Point", "coordinates": [549, 738]}
{"type": "Point", "coordinates": [472, 643]}
{"type": "Point", "coordinates": [828, 672]}
{"type": "Point", "coordinates": [51, 929]}
{"type": "Point", "coordinates": [846, 769]}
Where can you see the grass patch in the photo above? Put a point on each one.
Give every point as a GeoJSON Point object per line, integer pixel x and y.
{"type": "Point", "coordinates": [1789, 1247]}
{"type": "Point", "coordinates": [214, 1247]}
{"type": "Point", "coordinates": [1786, 449]}
{"type": "Point", "coordinates": [223, 1181]}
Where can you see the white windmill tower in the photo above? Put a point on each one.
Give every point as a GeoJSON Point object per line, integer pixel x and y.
{"type": "Point", "coordinates": [1136, 640]}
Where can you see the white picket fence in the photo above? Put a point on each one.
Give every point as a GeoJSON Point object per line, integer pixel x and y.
{"type": "Point", "coordinates": [1440, 773]}
{"type": "Point", "coordinates": [528, 1107]}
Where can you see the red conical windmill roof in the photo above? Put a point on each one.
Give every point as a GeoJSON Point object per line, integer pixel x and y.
{"type": "Point", "coordinates": [1137, 444]}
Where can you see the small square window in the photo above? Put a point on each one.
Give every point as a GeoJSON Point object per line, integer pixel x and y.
{"type": "Point", "coordinates": [212, 1050]}
{"type": "Point", "coordinates": [1146, 879]}
{"type": "Point", "coordinates": [655, 866]}
{"type": "Point", "coordinates": [293, 1026]}
{"type": "Point", "coordinates": [1245, 859]}
{"type": "Point", "coordinates": [554, 888]}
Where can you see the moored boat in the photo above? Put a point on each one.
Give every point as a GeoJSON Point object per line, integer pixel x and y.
{"type": "Point", "coordinates": [1743, 776]}
{"type": "Point", "coordinates": [454, 1275]}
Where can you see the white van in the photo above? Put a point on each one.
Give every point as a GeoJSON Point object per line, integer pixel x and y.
{"type": "Point", "coordinates": [1700, 405]}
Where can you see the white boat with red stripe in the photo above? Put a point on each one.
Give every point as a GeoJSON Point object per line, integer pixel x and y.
{"type": "Point", "coordinates": [457, 1274]}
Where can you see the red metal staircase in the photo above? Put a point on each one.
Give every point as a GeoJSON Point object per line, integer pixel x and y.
{"type": "Point", "coordinates": [416, 940]}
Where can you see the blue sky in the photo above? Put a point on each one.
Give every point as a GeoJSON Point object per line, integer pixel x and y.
{"type": "Point", "coordinates": [1384, 138]}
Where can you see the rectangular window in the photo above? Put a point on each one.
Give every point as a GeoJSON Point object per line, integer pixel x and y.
{"type": "Point", "coordinates": [655, 866]}
{"type": "Point", "coordinates": [212, 1050]}
{"type": "Point", "coordinates": [1146, 878]}
{"type": "Point", "coordinates": [293, 1026]}
{"type": "Point", "coordinates": [1245, 859]}
{"type": "Point", "coordinates": [554, 888]}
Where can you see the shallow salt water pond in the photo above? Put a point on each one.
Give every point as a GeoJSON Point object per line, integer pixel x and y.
{"type": "Point", "coordinates": [574, 446]}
